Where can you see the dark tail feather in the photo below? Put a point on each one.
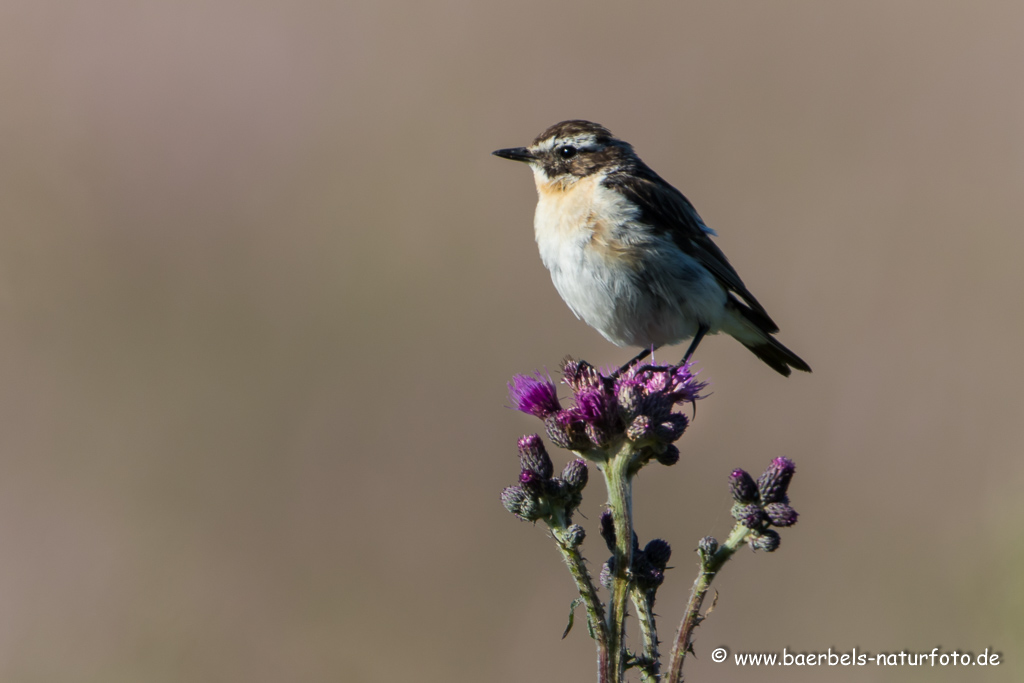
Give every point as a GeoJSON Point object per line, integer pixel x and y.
{"type": "Point", "coordinates": [766, 347]}
{"type": "Point", "coordinates": [777, 356]}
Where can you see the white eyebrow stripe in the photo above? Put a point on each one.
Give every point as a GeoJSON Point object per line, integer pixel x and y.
{"type": "Point", "coordinates": [582, 141]}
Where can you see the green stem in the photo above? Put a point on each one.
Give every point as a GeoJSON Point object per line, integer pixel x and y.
{"type": "Point", "coordinates": [710, 566]}
{"type": "Point", "coordinates": [595, 611]}
{"type": "Point", "coordinates": [649, 664]}
{"type": "Point", "coordinates": [620, 502]}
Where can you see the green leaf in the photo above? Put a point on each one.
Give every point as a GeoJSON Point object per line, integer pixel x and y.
{"type": "Point", "coordinates": [572, 618]}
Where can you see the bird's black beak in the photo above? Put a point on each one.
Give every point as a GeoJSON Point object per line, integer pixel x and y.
{"type": "Point", "coordinates": [515, 154]}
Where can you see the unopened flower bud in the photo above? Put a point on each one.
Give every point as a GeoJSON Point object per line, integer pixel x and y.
{"type": "Point", "coordinates": [629, 397]}
{"type": "Point", "coordinates": [750, 516]}
{"type": "Point", "coordinates": [608, 529]}
{"type": "Point", "coordinates": [640, 428]}
{"type": "Point", "coordinates": [575, 475]}
{"type": "Point", "coordinates": [775, 480]}
{"type": "Point", "coordinates": [532, 509]}
{"type": "Point", "coordinates": [574, 535]}
{"type": "Point", "coordinates": [780, 514]}
{"type": "Point", "coordinates": [742, 487]}
{"type": "Point", "coordinates": [556, 490]}
{"type": "Point", "coordinates": [597, 435]}
{"type": "Point", "coordinates": [564, 433]}
{"type": "Point", "coordinates": [534, 457]}
{"type": "Point", "coordinates": [673, 427]}
{"type": "Point", "coordinates": [647, 576]}
{"type": "Point", "coordinates": [669, 456]}
{"type": "Point", "coordinates": [658, 553]}
{"type": "Point", "coordinates": [532, 482]}
{"type": "Point", "coordinates": [512, 498]}
{"type": "Point", "coordinates": [768, 541]}
{"type": "Point", "coordinates": [580, 374]}
{"type": "Point", "coordinates": [708, 546]}
{"type": "Point", "coordinates": [657, 406]}
{"type": "Point", "coordinates": [608, 573]}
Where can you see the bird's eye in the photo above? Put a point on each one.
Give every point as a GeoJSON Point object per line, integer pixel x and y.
{"type": "Point", "coordinates": [567, 151]}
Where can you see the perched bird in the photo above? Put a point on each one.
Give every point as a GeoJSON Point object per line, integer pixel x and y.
{"type": "Point", "coordinates": [630, 255]}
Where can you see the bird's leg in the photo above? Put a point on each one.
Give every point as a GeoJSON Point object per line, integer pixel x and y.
{"type": "Point", "coordinates": [636, 359]}
{"type": "Point", "coordinates": [701, 331]}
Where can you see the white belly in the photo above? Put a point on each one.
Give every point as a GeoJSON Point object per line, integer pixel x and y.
{"type": "Point", "coordinates": [634, 287]}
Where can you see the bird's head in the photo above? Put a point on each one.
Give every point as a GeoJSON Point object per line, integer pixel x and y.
{"type": "Point", "coordinates": [571, 150]}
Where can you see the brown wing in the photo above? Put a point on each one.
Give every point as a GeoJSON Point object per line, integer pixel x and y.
{"type": "Point", "coordinates": [666, 209]}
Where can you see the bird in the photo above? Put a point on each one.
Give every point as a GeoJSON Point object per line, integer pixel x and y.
{"type": "Point", "coordinates": [630, 255]}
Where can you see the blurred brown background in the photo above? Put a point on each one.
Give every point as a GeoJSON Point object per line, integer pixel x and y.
{"type": "Point", "coordinates": [262, 285]}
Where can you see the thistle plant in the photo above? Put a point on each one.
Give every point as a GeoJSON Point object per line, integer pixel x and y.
{"type": "Point", "coordinates": [622, 422]}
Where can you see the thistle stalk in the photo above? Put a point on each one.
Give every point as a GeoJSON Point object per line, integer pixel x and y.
{"type": "Point", "coordinates": [620, 502]}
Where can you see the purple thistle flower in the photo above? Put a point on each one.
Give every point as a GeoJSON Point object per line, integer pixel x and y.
{"type": "Point", "coordinates": [535, 395]}
{"type": "Point", "coordinates": [674, 384]}
{"type": "Point", "coordinates": [579, 374]}
{"type": "Point", "coordinates": [683, 386]}
{"type": "Point", "coordinates": [595, 406]}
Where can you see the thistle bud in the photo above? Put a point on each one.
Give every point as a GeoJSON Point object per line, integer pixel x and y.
{"type": "Point", "coordinates": [512, 498]}
{"type": "Point", "coordinates": [658, 553]}
{"type": "Point", "coordinates": [608, 573]}
{"type": "Point", "coordinates": [750, 516]}
{"type": "Point", "coordinates": [532, 482]}
{"type": "Point", "coordinates": [708, 546]}
{"type": "Point", "coordinates": [597, 435]}
{"type": "Point", "coordinates": [608, 529]}
{"type": "Point", "coordinates": [657, 405]}
{"type": "Point", "coordinates": [775, 480]}
{"type": "Point", "coordinates": [673, 427]}
{"type": "Point", "coordinates": [768, 541]}
{"type": "Point", "coordinates": [669, 456]}
{"type": "Point", "coordinates": [534, 457]}
{"type": "Point", "coordinates": [574, 535]}
{"type": "Point", "coordinates": [742, 487]}
{"type": "Point", "coordinates": [647, 576]}
{"type": "Point", "coordinates": [780, 514]}
{"type": "Point", "coordinates": [579, 374]}
{"type": "Point", "coordinates": [629, 397]}
{"type": "Point", "coordinates": [575, 475]}
{"type": "Point", "coordinates": [640, 428]}
{"type": "Point", "coordinates": [564, 432]}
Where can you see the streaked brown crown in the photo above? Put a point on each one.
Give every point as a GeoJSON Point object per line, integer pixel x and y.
{"type": "Point", "coordinates": [573, 128]}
